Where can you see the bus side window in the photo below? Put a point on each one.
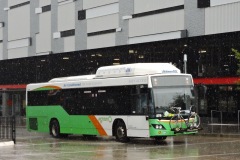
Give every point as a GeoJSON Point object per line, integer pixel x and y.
{"type": "Point", "coordinates": [138, 100]}
{"type": "Point", "coordinates": [36, 98]}
{"type": "Point", "coordinates": [139, 104]}
{"type": "Point", "coordinates": [87, 101]}
{"type": "Point", "coordinates": [53, 97]}
{"type": "Point", "coordinates": [150, 103]}
{"type": "Point", "coordinates": [69, 102]}
{"type": "Point", "coordinates": [135, 103]}
{"type": "Point", "coordinates": [144, 103]}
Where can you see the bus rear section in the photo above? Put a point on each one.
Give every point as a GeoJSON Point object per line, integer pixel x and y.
{"type": "Point", "coordinates": [122, 101]}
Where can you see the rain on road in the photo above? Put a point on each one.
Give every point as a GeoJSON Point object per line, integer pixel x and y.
{"type": "Point", "coordinates": [76, 147]}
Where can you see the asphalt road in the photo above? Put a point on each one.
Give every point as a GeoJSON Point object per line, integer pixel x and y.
{"type": "Point", "coordinates": [42, 146]}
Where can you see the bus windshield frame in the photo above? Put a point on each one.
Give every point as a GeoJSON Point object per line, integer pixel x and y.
{"type": "Point", "coordinates": [172, 91]}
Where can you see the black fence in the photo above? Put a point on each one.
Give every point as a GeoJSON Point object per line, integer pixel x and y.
{"type": "Point", "coordinates": [8, 128]}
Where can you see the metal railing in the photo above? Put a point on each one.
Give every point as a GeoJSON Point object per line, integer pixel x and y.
{"type": "Point", "coordinates": [7, 128]}
{"type": "Point", "coordinates": [220, 118]}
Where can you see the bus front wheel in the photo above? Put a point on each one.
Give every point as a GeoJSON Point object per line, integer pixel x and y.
{"type": "Point", "coordinates": [55, 129]}
{"type": "Point", "coordinates": [160, 139]}
{"type": "Point", "coordinates": [121, 132]}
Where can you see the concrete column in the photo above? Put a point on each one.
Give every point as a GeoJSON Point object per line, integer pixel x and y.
{"type": "Point", "coordinates": [57, 44]}
{"type": "Point", "coordinates": [5, 108]}
{"type": "Point", "coordinates": [34, 26]}
{"type": "Point", "coordinates": [126, 8]}
{"type": "Point", "coordinates": [1, 20]}
{"type": "Point", "coordinates": [4, 18]}
{"type": "Point", "coordinates": [80, 28]}
{"type": "Point", "coordinates": [194, 18]}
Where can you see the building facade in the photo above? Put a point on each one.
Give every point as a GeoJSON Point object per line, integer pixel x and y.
{"type": "Point", "coordinates": [44, 39]}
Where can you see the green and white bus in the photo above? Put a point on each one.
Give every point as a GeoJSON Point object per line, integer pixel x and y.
{"type": "Point", "coordinates": [131, 100]}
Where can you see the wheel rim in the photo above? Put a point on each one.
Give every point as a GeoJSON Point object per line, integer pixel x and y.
{"type": "Point", "coordinates": [120, 132]}
{"type": "Point", "coordinates": [54, 130]}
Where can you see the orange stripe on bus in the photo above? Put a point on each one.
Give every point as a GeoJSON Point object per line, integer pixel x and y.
{"type": "Point", "coordinates": [53, 87]}
{"type": "Point", "coordinates": [98, 126]}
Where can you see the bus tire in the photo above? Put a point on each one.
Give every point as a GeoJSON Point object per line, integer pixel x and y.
{"type": "Point", "coordinates": [55, 129]}
{"type": "Point", "coordinates": [121, 132]}
{"type": "Point", "coordinates": [160, 139]}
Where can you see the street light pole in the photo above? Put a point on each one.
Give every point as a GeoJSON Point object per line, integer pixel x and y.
{"type": "Point", "coordinates": [185, 62]}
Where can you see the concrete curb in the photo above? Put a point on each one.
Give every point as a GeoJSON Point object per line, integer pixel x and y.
{"type": "Point", "coordinates": [9, 143]}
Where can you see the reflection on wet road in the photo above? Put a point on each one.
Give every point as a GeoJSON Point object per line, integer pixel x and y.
{"type": "Point", "coordinates": [75, 147]}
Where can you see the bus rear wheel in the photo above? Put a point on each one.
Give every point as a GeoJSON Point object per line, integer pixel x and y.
{"type": "Point", "coordinates": [121, 132]}
{"type": "Point", "coordinates": [55, 129]}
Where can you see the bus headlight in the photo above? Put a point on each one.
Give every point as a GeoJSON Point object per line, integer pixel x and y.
{"type": "Point", "coordinates": [158, 126]}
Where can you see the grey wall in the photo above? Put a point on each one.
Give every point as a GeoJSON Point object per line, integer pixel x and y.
{"type": "Point", "coordinates": [107, 15]}
{"type": "Point", "coordinates": [222, 18]}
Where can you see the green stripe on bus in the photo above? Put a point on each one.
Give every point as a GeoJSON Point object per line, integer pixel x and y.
{"type": "Point", "coordinates": [72, 124]}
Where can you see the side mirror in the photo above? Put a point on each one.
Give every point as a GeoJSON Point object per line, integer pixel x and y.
{"type": "Point", "coordinates": [192, 108]}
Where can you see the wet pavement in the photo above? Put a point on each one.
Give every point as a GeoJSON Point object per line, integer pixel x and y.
{"type": "Point", "coordinates": [32, 145]}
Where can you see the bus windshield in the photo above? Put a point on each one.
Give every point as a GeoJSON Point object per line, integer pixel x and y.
{"type": "Point", "coordinates": [179, 95]}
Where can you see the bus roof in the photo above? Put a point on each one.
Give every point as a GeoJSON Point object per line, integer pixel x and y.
{"type": "Point", "coordinates": [136, 69]}
{"type": "Point", "coordinates": [125, 70]}
{"type": "Point", "coordinates": [72, 78]}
